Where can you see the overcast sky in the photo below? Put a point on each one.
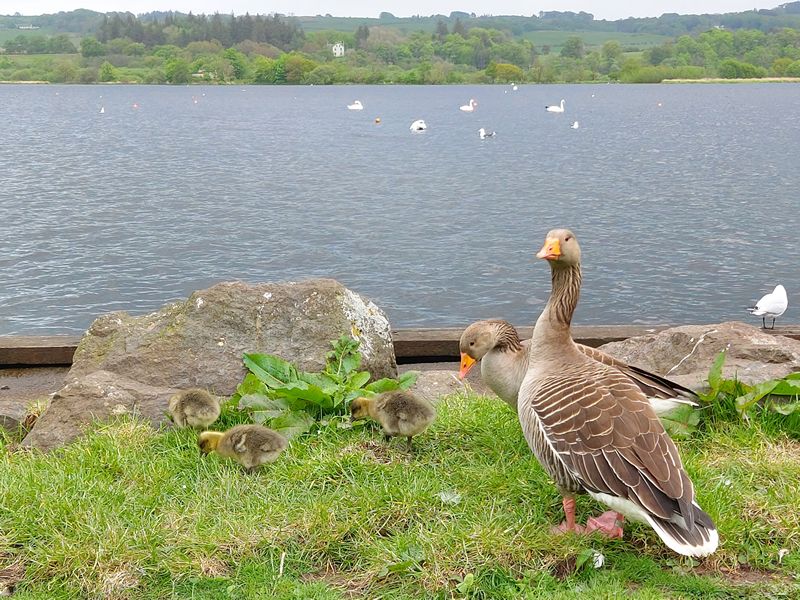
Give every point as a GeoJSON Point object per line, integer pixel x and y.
{"type": "Point", "coordinates": [608, 9]}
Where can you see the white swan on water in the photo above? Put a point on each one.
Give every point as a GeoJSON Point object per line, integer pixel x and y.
{"type": "Point", "coordinates": [469, 107]}
{"type": "Point", "coordinates": [418, 125]}
{"type": "Point", "coordinates": [557, 108]}
{"type": "Point", "coordinates": [772, 305]}
{"type": "Point", "coordinates": [356, 105]}
{"type": "Point", "coordinates": [483, 134]}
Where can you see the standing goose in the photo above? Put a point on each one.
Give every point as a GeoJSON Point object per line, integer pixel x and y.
{"type": "Point", "coordinates": [593, 430]}
{"type": "Point", "coordinates": [504, 362]}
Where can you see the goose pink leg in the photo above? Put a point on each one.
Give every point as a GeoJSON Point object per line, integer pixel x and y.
{"type": "Point", "coordinates": [569, 513]}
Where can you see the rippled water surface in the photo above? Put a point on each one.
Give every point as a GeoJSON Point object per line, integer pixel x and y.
{"type": "Point", "coordinates": [684, 197]}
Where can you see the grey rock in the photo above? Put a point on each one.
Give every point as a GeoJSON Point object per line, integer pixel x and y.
{"type": "Point", "coordinates": [200, 342]}
{"type": "Point", "coordinates": [100, 395]}
{"type": "Point", "coordinates": [685, 354]}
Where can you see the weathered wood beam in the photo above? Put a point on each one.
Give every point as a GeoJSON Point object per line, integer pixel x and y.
{"type": "Point", "coordinates": [410, 345]}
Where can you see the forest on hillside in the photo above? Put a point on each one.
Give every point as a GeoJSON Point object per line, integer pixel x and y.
{"type": "Point", "coordinates": [87, 47]}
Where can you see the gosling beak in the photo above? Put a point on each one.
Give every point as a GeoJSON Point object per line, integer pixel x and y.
{"type": "Point", "coordinates": [467, 362]}
{"type": "Point", "coordinates": [551, 249]}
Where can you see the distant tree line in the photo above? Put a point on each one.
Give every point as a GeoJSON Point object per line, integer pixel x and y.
{"type": "Point", "coordinates": [179, 48]}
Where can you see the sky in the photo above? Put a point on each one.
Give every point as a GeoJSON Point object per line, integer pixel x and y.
{"type": "Point", "coordinates": [608, 9]}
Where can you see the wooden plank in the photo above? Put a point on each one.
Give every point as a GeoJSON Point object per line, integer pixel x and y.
{"type": "Point", "coordinates": [37, 350]}
{"type": "Point", "coordinates": [410, 345]}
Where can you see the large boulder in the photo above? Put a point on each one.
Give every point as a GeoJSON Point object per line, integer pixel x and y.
{"type": "Point", "coordinates": [685, 354]}
{"type": "Point", "coordinates": [131, 365]}
{"type": "Point", "coordinates": [99, 395]}
{"type": "Point", "coordinates": [200, 342]}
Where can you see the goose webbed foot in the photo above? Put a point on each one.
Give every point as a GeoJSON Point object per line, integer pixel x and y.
{"type": "Point", "coordinates": [609, 524]}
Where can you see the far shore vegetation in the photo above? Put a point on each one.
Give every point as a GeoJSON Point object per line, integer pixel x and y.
{"type": "Point", "coordinates": [83, 46]}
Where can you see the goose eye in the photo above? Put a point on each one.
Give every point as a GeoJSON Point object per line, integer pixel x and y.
{"type": "Point", "coordinates": [472, 343]}
{"type": "Point", "coordinates": [568, 238]}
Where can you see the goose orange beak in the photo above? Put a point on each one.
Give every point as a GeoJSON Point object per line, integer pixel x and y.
{"type": "Point", "coordinates": [551, 249]}
{"type": "Point", "coordinates": [467, 362]}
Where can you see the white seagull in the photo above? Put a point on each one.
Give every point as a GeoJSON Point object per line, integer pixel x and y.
{"type": "Point", "coordinates": [575, 125]}
{"type": "Point", "coordinates": [418, 125]}
{"type": "Point", "coordinates": [485, 134]}
{"type": "Point", "coordinates": [557, 108]}
{"type": "Point", "coordinates": [772, 305]}
{"type": "Point", "coordinates": [469, 107]}
{"type": "Point", "coordinates": [356, 105]}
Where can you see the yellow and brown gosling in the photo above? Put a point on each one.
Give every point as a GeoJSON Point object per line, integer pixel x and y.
{"type": "Point", "coordinates": [400, 413]}
{"type": "Point", "coordinates": [194, 408]}
{"type": "Point", "coordinates": [249, 445]}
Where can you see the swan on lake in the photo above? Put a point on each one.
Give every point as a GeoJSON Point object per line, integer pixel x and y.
{"type": "Point", "coordinates": [469, 107]}
{"type": "Point", "coordinates": [772, 305]}
{"type": "Point", "coordinates": [418, 125]}
{"type": "Point", "coordinates": [485, 134]}
{"type": "Point", "coordinates": [356, 105]}
{"type": "Point", "coordinates": [556, 108]}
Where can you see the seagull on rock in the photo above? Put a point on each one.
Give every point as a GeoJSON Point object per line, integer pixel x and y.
{"type": "Point", "coordinates": [772, 305]}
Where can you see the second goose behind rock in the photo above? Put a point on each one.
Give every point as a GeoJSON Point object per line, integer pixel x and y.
{"type": "Point", "coordinates": [504, 362]}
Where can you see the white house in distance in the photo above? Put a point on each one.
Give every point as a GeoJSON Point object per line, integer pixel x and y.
{"type": "Point", "coordinates": [338, 49]}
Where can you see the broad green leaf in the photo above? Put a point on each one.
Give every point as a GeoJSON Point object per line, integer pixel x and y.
{"type": "Point", "coordinates": [787, 387]}
{"type": "Point", "coordinates": [321, 380]}
{"type": "Point", "coordinates": [350, 363]}
{"type": "Point", "coordinates": [250, 385]}
{"type": "Point", "coordinates": [268, 406]}
{"type": "Point", "coordinates": [407, 379]}
{"type": "Point", "coordinates": [747, 401]}
{"type": "Point", "coordinates": [359, 380]}
{"type": "Point", "coordinates": [304, 391]}
{"type": "Point", "coordinates": [270, 368]}
{"type": "Point", "coordinates": [785, 408]}
{"type": "Point", "coordinates": [292, 423]}
{"type": "Point", "coordinates": [265, 376]}
{"type": "Point", "coordinates": [681, 422]}
{"type": "Point", "coordinates": [382, 385]}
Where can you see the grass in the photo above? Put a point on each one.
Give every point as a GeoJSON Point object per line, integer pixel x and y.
{"type": "Point", "coordinates": [128, 512]}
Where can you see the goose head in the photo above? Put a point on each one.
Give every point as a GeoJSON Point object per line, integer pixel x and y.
{"type": "Point", "coordinates": [477, 339]}
{"type": "Point", "coordinates": [561, 248]}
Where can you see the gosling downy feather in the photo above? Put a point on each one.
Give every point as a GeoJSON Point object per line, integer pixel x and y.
{"type": "Point", "coordinates": [594, 431]}
{"type": "Point", "coordinates": [400, 413]}
{"type": "Point", "coordinates": [194, 408]}
{"type": "Point", "coordinates": [249, 445]}
{"type": "Point", "coordinates": [504, 361]}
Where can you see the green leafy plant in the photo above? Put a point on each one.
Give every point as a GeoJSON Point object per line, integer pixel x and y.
{"type": "Point", "coordinates": [278, 394]}
{"type": "Point", "coordinates": [781, 396]}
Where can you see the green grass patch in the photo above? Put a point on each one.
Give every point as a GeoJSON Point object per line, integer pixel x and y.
{"type": "Point", "coordinates": [132, 512]}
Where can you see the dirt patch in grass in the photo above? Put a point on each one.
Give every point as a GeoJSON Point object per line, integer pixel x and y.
{"type": "Point", "coordinates": [563, 568]}
{"type": "Point", "coordinates": [214, 567]}
{"type": "Point", "coordinates": [376, 452]}
{"type": "Point", "coordinates": [352, 585]}
{"type": "Point", "coordinates": [11, 573]}
{"type": "Point", "coordinates": [744, 575]}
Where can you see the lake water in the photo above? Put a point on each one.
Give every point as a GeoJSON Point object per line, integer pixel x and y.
{"type": "Point", "coordinates": [684, 197]}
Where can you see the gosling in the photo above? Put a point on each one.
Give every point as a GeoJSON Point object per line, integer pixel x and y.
{"type": "Point", "coordinates": [194, 408]}
{"type": "Point", "coordinates": [249, 445]}
{"type": "Point", "coordinates": [400, 413]}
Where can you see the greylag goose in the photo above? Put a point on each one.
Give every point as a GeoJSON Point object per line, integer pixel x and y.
{"type": "Point", "coordinates": [400, 413]}
{"type": "Point", "coordinates": [594, 431]}
{"type": "Point", "coordinates": [504, 362]}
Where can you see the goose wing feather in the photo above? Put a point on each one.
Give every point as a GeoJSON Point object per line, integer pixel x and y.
{"type": "Point", "coordinates": [606, 435]}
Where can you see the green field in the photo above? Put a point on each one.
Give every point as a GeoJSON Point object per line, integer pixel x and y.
{"type": "Point", "coordinates": [129, 512]}
{"type": "Point", "coordinates": [595, 39]}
